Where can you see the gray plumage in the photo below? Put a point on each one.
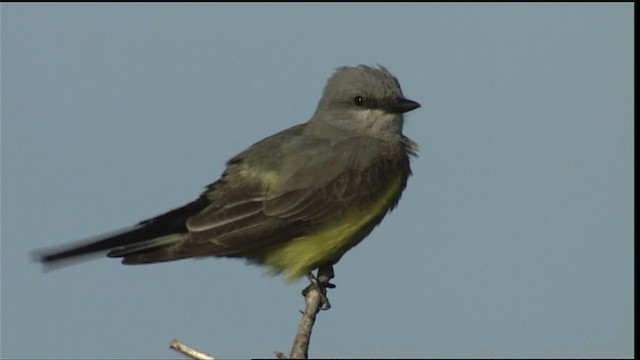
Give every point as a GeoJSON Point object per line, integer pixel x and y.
{"type": "Point", "coordinates": [288, 186]}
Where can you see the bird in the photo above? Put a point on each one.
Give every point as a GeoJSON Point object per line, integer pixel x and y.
{"type": "Point", "coordinates": [293, 202]}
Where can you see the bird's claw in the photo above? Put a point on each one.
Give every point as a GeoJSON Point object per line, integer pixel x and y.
{"type": "Point", "coordinates": [321, 283]}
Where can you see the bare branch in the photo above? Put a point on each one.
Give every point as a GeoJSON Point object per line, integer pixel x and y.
{"type": "Point", "coordinates": [316, 300]}
{"type": "Point", "coordinates": [300, 349]}
{"type": "Point", "coordinates": [192, 353]}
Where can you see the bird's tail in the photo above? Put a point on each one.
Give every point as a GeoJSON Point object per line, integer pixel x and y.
{"type": "Point", "coordinates": [124, 243]}
{"type": "Point", "coordinates": [152, 240]}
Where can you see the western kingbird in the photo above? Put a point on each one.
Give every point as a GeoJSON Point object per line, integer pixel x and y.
{"type": "Point", "coordinates": [295, 201]}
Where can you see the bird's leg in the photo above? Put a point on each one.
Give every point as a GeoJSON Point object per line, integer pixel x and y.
{"type": "Point", "coordinates": [322, 291]}
{"type": "Point", "coordinates": [321, 282]}
{"type": "Point", "coordinates": [325, 274]}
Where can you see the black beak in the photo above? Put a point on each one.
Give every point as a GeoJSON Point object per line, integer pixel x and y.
{"type": "Point", "coordinates": [400, 106]}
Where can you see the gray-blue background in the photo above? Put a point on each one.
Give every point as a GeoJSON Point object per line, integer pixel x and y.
{"type": "Point", "coordinates": [514, 237]}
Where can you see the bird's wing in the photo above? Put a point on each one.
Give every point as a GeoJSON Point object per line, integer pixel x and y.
{"type": "Point", "coordinates": [254, 206]}
{"type": "Point", "coordinates": [270, 193]}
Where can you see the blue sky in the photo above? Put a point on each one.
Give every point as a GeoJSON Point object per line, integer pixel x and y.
{"type": "Point", "coordinates": [514, 237]}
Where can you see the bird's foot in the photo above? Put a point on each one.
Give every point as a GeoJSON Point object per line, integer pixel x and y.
{"type": "Point", "coordinates": [321, 282]}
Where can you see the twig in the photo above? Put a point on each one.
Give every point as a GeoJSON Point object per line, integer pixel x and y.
{"type": "Point", "coordinates": [316, 300]}
{"type": "Point", "coordinates": [192, 353]}
{"type": "Point", "coordinates": [300, 347]}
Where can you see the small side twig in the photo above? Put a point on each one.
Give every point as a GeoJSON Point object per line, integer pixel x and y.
{"type": "Point", "coordinates": [192, 353]}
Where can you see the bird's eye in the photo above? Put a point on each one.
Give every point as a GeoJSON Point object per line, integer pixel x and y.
{"type": "Point", "coordinates": [358, 100]}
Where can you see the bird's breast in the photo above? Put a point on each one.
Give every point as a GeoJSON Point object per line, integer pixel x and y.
{"type": "Point", "coordinates": [330, 241]}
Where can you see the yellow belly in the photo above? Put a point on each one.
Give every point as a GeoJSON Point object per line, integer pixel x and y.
{"type": "Point", "coordinates": [297, 257]}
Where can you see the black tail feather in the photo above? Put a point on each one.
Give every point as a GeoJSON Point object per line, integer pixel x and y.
{"type": "Point", "coordinates": [172, 222]}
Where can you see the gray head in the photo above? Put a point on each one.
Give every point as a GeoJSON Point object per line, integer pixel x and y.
{"type": "Point", "coordinates": [363, 99]}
